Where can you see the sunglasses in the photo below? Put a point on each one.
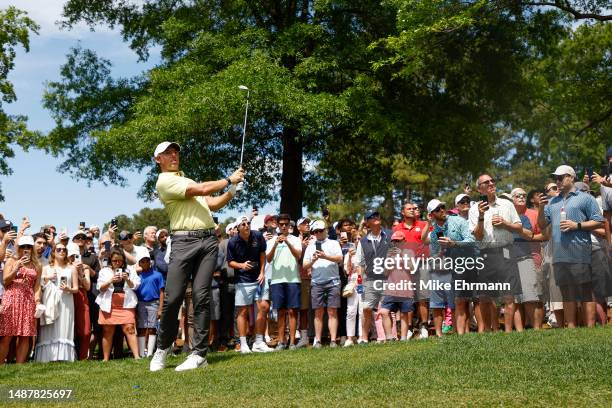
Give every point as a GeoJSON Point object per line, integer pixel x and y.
{"type": "Point", "coordinates": [439, 208]}
{"type": "Point", "coordinates": [283, 224]}
{"type": "Point", "coordinates": [245, 224]}
{"type": "Point", "coordinates": [26, 246]}
{"type": "Point", "coordinates": [520, 196]}
{"type": "Point", "coordinates": [487, 182]}
{"type": "Point", "coordinates": [58, 250]}
{"type": "Point", "coordinates": [465, 201]}
{"type": "Point", "coordinates": [560, 178]}
{"type": "Point", "coordinates": [116, 260]}
{"type": "Point", "coordinates": [317, 231]}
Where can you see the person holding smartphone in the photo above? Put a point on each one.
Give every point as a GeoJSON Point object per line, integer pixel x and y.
{"type": "Point", "coordinates": [323, 256]}
{"type": "Point", "coordinates": [283, 252]}
{"type": "Point", "coordinates": [246, 253]}
{"type": "Point", "coordinates": [117, 300]}
{"type": "Point", "coordinates": [56, 337]}
{"type": "Point", "coordinates": [7, 239]}
{"type": "Point", "coordinates": [21, 278]}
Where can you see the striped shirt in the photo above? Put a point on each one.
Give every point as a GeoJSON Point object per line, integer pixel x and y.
{"type": "Point", "coordinates": [572, 246]}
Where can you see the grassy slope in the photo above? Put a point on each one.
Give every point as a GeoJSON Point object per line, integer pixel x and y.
{"type": "Point", "coordinates": [553, 367]}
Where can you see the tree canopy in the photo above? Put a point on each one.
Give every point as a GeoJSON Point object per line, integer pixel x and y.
{"type": "Point", "coordinates": [351, 100]}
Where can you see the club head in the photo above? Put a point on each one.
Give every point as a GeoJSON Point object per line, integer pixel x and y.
{"type": "Point", "coordinates": [244, 88]}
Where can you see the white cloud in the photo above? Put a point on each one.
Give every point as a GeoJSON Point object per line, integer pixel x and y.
{"type": "Point", "coordinates": [47, 14]}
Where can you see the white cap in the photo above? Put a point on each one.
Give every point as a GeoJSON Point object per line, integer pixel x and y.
{"type": "Point", "coordinates": [241, 219]}
{"type": "Point", "coordinates": [76, 234]}
{"type": "Point", "coordinates": [142, 253]}
{"type": "Point", "coordinates": [257, 222]}
{"type": "Point", "coordinates": [303, 220]}
{"type": "Point", "coordinates": [433, 204]}
{"type": "Point", "coordinates": [25, 240]}
{"type": "Point", "coordinates": [72, 249]}
{"type": "Point", "coordinates": [229, 227]}
{"type": "Point", "coordinates": [563, 170]}
{"type": "Point", "coordinates": [318, 225]}
{"type": "Point", "coordinates": [516, 191]}
{"type": "Point", "coordinates": [460, 197]}
{"type": "Point", "coordinates": [163, 146]}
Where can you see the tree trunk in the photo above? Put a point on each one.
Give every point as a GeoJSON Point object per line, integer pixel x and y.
{"type": "Point", "coordinates": [292, 182]}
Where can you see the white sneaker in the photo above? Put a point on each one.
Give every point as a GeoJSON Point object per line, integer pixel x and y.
{"type": "Point", "coordinates": [423, 333]}
{"type": "Point", "coordinates": [158, 362]}
{"type": "Point", "coordinates": [245, 349]}
{"type": "Point", "coordinates": [302, 343]}
{"type": "Point", "coordinates": [261, 347]}
{"type": "Point", "coordinates": [409, 335]}
{"type": "Point", "coordinates": [193, 361]}
{"type": "Point", "coordinates": [348, 343]}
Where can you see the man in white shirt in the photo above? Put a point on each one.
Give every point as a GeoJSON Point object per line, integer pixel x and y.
{"type": "Point", "coordinates": [492, 223]}
{"type": "Point", "coordinates": [324, 256]}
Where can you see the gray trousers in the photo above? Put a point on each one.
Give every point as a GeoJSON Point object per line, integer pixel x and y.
{"type": "Point", "coordinates": [190, 258]}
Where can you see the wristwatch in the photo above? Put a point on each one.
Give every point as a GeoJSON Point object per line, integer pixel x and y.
{"type": "Point", "coordinates": [579, 226]}
{"type": "Point", "coordinates": [229, 182]}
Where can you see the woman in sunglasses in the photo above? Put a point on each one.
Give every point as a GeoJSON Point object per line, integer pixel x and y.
{"type": "Point", "coordinates": [60, 283]}
{"type": "Point", "coordinates": [118, 302]}
{"type": "Point", "coordinates": [21, 278]}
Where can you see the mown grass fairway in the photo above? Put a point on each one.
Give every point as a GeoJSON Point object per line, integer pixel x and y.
{"type": "Point", "coordinates": [547, 368]}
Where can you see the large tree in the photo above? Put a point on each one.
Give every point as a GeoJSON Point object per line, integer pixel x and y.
{"type": "Point", "coordinates": [15, 30]}
{"type": "Point", "coordinates": [351, 100]}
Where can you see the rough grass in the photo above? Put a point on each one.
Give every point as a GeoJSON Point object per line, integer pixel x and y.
{"type": "Point", "coordinates": [546, 368]}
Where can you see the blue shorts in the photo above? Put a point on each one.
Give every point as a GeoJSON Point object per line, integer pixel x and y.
{"type": "Point", "coordinates": [394, 304]}
{"type": "Point", "coordinates": [441, 298]}
{"type": "Point", "coordinates": [249, 293]}
{"type": "Point", "coordinates": [286, 295]}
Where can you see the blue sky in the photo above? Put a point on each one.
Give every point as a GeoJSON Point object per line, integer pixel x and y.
{"type": "Point", "coordinates": [36, 188]}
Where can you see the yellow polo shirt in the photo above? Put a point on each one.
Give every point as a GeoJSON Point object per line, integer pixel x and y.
{"type": "Point", "coordinates": [185, 213]}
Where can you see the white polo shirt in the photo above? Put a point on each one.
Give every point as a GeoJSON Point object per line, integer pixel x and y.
{"type": "Point", "coordinates": [495, 237]}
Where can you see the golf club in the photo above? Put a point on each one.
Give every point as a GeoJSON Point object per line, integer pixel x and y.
{"type": "Point", "coordinates": [246, 114]}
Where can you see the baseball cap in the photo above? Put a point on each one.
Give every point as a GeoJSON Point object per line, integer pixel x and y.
{"type": "Point", "coordinates": [371, 213]}
{"type": "Point", "coordinates": [563, 170]}
{"type": "Point", "coordinates": [433, 204]}
{"type": "Point", "coordinates": [142, 253]}
{"type": "Point", "coordinates": [159, 231]}
{"type": "Point", "coordinates": [269, 217]}
{"type": "Point", "coordinates": [5, 224]}
{"type": "Point", "coordinates": [72, 249]}
{"type": "Point", "coordinates": [25, 240]}
{"type": "Point", "coordinates": [79, 234]}
{"type": "Point", "coordinates": [397, 236]}
{"type": "Point", "coordinates": [303, 220]}
{"type": "Point", "coordinates": [163, 146]}
{"type": "Point", "coordinates": [580, 186]}
{"type": "Point", "coordinates": [318, 225]}
{"type": "Point", "coordinates": [124, 235]}
{"type": "Point", "coordinates": [460, 197]}
{"type": "Point", "coordinates": [242, 219]}
{"type": "Point", "coordinates": [516, 191]}
{"type": "Point", "coordinates": [229, 227]}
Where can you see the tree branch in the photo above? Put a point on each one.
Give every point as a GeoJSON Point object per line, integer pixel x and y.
{"type": "Point", "coordinates": [592, 123]}
{"type": "Point", "coordinates": [577, 14]}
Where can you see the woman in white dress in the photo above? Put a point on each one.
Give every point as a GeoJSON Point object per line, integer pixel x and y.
{"type": "Point", "coordinates": [56, 339]}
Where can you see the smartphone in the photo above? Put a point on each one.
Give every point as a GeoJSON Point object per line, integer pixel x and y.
{"type": "Point", "coordinates": [64, 280]}
{"type": "Point", "coordinates": [216, 220]}
{"type": "Point", "coordinates": [324, 211]}
{"type": "Point", "coordinates": [270, 230]}
{"type": "Point", "coordinates": [344, 235]}
{"type": "Point", "coordinates": [319, 246]}
{"type": "Point", "coordinates": [113, 222]}
{"type": "Point", "coordinates": [77, 258]}
{"type": "Point", "coordinates": [118, 272]}
{"type": "Point", "coordinates": [439, 234]}
{"type": "Point", "coordinates": [484, 198]}
{"type": "Point", "coordinates": [107, 247]}
{"type": "Point", "coordinates": [589, 172]}
{"type": "Point", "coordinates": [14, 228]}
{"type": "Point", "coordinates": [306, 235]}
{"type": "Point", "coordinates": [82, 225]}
{"type": "Point", "coordinates": [605, 170]}
{"type": "Point", "coordinates": [255, 208]}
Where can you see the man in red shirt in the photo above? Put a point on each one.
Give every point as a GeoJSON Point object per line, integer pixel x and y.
{"type": "Point", "coordinates": [413, 228]}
